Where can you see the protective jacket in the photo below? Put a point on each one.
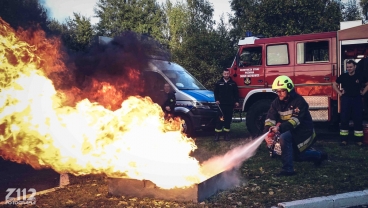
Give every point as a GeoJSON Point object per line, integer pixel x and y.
{"type": "Point", "coordinates": [226, 92]}
{"type": "Point", "coordinates": [294, 116]}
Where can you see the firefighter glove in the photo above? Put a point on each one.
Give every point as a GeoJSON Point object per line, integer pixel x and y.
{"type": "Point", "coordinates": [274, 129]}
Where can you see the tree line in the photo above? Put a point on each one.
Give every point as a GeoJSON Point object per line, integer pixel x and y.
{"type": "Point", "coordinates": [187, 28]}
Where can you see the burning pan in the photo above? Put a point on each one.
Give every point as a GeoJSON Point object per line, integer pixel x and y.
{"type": "Point", "coordinates": [196, 193]}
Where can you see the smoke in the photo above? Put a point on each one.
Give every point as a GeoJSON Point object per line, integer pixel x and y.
{"type": "Point", "coordinates": [109, 73]}
{"type": "Point", "coordinates": [106, 74]}
{"type": "Point", "coordinates": [232, 159]}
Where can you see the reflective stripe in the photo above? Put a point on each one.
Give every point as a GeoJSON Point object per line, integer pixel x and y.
{"type": "Point", "coordinates": [269, 122]}
{"type": "Point", "coordinates": [304, 143]}
{"type": "Point", "coordinates": [285, 115]}
{"type": "Point", "coordinates": [292, 122]}
{"type": "Point", "coordinates": [218, 130]}
{"type": "Point", "coordinates": [302, 146]}
{"type": "Point", "coordinates": [285, 118]}
{"type": "Point", "coordinates": [296, 120]}
{"type": "Point", "coordinates": [358, 133]}
{"type": "Point", "coordinates": [344, 132]}
{"type": "Point", "coordinates": [227, 130]}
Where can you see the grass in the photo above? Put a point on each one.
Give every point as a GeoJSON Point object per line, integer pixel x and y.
{"type": "Point", "coordinates": [345, 171]}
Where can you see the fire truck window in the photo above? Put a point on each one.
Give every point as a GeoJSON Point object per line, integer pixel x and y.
{"type": "Point", "coordinates": [277, 55]}
{"type": "Point", "coordinates": [312, 52]}
{"type": "Point", "coordinates": [250, 57]}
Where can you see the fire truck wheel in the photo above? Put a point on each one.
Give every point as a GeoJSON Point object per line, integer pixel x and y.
{"type": "Point", "coordinates": [187, 125]}
{"type": "Point", "coordinates": [256, 116]}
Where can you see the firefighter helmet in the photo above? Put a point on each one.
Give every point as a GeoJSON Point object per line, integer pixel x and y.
{"type": "Point", "coordinates": [283, 82]}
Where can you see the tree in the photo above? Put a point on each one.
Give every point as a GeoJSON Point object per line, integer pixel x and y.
{"type": "Point", "coordinates": [141, 16]}
{"type": "Point", "coordinates": [203, 51]}
{"type": "Point", "coordinates": [200, 15]}
{"type": "Point", "coordinates": [24, 13]}
{"type": "Point", "coordinates": [242, 15]}
{"type": "Point", "coordinates": [364, 6]}
{"type": "Point", "coordinates": [177, 21]}
{"type": "Point", "coordinates": [76, 33]}
{"type": "Point", "coordinates": [285, 17]}
{"type": "Point", "coordinates": [226, 50]}
{"type": "Point", "coordinates": [79, 33]}
{"type": "Point", "coordinates": [351, 11]}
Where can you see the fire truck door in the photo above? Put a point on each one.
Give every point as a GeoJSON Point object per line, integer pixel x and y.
{"type": "Point", "coordinates": [313, 67]}
{"type": "Point", "coordinates": [250, 69]}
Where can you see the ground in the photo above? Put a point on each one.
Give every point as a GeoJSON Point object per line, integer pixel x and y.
{"type": "Point", "coordinates": [346, 170]}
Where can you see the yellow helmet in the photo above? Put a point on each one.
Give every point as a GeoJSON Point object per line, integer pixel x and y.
{"type": "Point", "coordinates": [283, 82]}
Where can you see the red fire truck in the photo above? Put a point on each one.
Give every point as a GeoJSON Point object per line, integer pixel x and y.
{"type": "Point", "coordinates": [312, 61]}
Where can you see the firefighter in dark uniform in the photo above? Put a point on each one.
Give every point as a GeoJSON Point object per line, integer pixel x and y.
{"type": "Point", "coordinates": [351, 94]}
{"type": "Point", "coordinates": [226, 97]}
{"type": "Point", "coordinates": [167, 101]}
{"type": "Point", "coordinates": [295, 126]}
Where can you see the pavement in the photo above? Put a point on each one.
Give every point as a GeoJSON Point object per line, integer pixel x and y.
{"type": "Point", "coordinates": [351, 199]}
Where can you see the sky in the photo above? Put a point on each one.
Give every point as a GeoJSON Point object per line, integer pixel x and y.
{"type": "Point", "coordinates": [60, 10]}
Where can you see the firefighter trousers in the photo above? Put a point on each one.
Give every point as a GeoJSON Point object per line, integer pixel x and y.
{"type": "Point", "coordinates": [351, 107]}
{"type": "Point", "coordinates": [227, 113]}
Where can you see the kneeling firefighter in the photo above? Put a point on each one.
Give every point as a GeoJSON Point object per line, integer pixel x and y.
{"type": "Point", "coordinates": [290, 119]}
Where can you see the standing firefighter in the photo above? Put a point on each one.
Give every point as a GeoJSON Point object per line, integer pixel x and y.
{"type": "Point", "coordinates": [289, 117]}
{"type": "Point", "coordinates": [351, 102]}
{"type": "Point", "coordinates": [226, 96]}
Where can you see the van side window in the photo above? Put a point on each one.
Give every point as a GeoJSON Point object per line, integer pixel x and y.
{"type": "Point", "coordinates": [277, 55]}
{"type": "Point", "coordinates": [154, 83]}
{"type": "Point", "coordinates": [312, 52]}
{"type": "Point", "coordinates": [251, 57]}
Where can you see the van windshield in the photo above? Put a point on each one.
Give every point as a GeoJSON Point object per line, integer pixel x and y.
{"type": "Point", "coordinates": [182, 79]}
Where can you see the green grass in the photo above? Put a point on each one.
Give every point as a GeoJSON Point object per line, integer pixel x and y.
{"type": "Point", "coordinates": [345, 171]}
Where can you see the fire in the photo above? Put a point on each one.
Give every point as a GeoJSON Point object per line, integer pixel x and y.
{"type": "Point", "coordinates": [38, 128]}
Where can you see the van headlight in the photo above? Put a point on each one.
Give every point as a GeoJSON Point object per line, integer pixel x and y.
{"type": "Point", "coordinates": [200, 105]}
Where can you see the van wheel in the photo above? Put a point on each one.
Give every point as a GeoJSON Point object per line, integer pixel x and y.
{"type": "Point", "coordinates": [256, 116]}
{"type": "Point", "coordinates": [187, 125]}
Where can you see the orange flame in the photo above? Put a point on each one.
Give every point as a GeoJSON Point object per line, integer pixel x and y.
{"type": "Point", "coordinates": [39, 129]}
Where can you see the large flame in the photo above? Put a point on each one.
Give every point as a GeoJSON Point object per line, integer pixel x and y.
{"type": "Point", "coordinates": [37, 127]}
{"type": "Point", "coordinates": [99, 129]}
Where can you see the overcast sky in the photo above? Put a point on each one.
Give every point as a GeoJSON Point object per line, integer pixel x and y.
{"type": "Point", "coordinates": [60, 10]}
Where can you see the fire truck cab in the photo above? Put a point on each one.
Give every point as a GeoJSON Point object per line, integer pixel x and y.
{"type": "Point", "coordinates": [312, 61]}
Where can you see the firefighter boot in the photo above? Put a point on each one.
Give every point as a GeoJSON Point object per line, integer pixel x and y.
{"type": "Point", "coordinates": [217, 136]}
{"type": "Point", "coordinates": [226, 136]}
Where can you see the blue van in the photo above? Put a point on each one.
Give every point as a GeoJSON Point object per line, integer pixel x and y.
{"type": "Point", "coordinates": [194, 103]}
